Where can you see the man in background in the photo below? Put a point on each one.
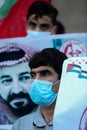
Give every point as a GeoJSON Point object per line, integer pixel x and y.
{"type": "Point", "coordinates": [41, 19]}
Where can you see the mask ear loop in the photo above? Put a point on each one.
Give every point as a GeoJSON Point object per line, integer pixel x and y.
{"type": "Point", "coordinates": [54, 29]}
{"type": "Point", "coordinates": [56, 82]}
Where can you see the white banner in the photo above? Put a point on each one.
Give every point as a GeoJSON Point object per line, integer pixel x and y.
{"type": "Point", "coordinates": [72, 45]}
{"type": "Point", "coordinates": [71, 107]}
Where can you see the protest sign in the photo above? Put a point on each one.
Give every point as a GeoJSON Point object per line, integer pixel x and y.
{"type": "Point", "coordinates": [71, 106]}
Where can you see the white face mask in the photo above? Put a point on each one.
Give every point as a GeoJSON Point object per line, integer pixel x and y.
{"type": "Point", "coordinates": [32, 34]}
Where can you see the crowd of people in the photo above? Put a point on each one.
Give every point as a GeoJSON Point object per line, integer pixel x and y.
{"type": "Point", "coordinates": [30, 78]}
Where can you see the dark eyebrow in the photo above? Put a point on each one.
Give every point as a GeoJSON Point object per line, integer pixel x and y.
{"type": "Point", "coordinates": [5, 76]}
{"type": "Point", "coordinates": [31, 22]}
{"type": "Point", "coordinates": [23, 73]}
{"type": "Point", "coordinates": [45, 71]}
{"type": "Point", "coordinates": [45, 24]}
{"type": "Point", "coordinates": [42, 71]}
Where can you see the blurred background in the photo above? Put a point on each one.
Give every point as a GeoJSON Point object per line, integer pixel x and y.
{"type": "Point", "coordinates": [73, 14]}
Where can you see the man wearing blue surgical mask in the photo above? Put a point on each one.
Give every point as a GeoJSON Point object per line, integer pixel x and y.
{"type": "Point", "coordinates": [45, 69]}
{"type": "Point", "coordinates": [41, 19]}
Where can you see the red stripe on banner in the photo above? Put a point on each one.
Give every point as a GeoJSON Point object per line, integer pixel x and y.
{"type": "Point", "coordinates": [14, 24]}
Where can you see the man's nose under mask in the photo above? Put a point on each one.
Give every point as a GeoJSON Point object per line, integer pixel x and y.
{"type": "Point", "coordinates": [32, 34]}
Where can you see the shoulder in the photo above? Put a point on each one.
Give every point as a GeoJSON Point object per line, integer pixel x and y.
{"type": "Point", "coordinates": [24, 123]}
{"type": "Point", "coordinates": [27, 118]}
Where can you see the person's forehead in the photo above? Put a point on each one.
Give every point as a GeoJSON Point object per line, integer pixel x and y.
{"type": "Point", "coordinates": [42, 68]}
{"type": "Point", "coordinates": [16, 69]}
{"type": "Point", "coordinates": [43, 19]}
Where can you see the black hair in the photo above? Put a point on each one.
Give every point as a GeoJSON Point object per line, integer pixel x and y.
{"type": "Point", "coordinates": [40, 8]}
{"type": "Point", "coordinates": [48, 57]}
{"type": "Point", "coordinates": [60, 27]}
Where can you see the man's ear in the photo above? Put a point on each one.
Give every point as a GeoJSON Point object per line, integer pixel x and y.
{"type": "Point", "coordinates": [54, 30]}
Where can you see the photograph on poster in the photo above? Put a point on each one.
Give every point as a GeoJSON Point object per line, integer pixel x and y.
{"type": "Point", "coordinates": [9, 69]}
{"type": "Point", "coordinates": [15, 82]}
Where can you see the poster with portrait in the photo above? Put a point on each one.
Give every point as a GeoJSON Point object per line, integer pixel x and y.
{"type": "Point", "coordinates": [15, 81]}
{"type": "Point", "coordinates": [15, 72]}
{"type": "Point", "coordinates": [71, 106]}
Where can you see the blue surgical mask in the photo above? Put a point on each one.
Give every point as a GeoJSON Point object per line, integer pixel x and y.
{"type": "Point", "coordinates": [33, 34]}
{"type": "Point", "coordinates": [41, 93]}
